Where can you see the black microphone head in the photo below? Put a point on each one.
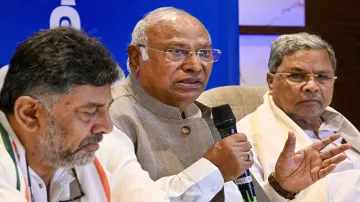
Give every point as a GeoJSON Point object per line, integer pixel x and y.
{"type": "Point", "coordinates": [223, 116]}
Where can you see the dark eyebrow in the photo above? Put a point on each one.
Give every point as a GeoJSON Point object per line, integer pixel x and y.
{"type": "Point", "coordinates": [112, 100]}
{"type": "Point", "coordinates": [324, 72]}
{"type": "Point", "coordinates": [296, 69]}
{"type": "Point", "coordinates": [96, 104]}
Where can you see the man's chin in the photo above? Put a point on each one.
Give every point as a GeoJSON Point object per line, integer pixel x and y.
{"type": "Point", "coordinates": [189, 96]}
{"type": "Point", "coordinates": [85, 160]}
{"type": "Point", "coordinates": [310, 112]}
{"type": "Point", "coordinates": [81, 159]}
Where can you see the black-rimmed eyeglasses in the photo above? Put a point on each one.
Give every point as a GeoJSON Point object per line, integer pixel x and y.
{"type": "Point", "coordinates": [82, 193]}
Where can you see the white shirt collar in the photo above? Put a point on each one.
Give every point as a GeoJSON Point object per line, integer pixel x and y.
{"type": "Point", "coordinates": [332, 122]}
{"type": "Point", "coordinates": [62, 177]}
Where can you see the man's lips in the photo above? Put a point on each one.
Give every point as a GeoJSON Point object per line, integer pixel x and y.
{"type": "Point", "coordinates": [190, 81]}
{"type": "Point", "coordinates": [309, 101]}
{"type": "Point", "coordinates": [92, 145]}
{"type": "Point", "coordinates": [189, 84]}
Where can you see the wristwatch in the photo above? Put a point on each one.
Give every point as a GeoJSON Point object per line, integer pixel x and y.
{"type": "Point", "coordinates": [276, 186]}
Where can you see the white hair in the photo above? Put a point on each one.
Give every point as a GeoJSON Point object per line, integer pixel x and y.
{"type": "Point", "coordinates": [139, 37]}
{"type": "Point", "coordinates": [290, 43]}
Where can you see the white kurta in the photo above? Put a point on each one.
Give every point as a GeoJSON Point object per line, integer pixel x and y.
{"type": "Point", "coordinates": [267, 130]}
{"type": "Point", "coordinates": [124, 176]}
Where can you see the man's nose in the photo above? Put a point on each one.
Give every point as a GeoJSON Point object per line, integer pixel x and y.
{"type": "Point", "coordinates": [103, 124]}
{"type": "Point", "coordinates": [192, 64]}
{"type": "Point", "coordinates": [311, 84]}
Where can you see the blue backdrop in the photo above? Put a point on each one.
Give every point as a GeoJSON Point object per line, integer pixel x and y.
{"type": "Point", "coordinates": [113, 20]}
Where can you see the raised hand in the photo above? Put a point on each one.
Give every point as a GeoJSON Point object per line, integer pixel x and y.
{"type": "Point", "coordinates": [295, 171]}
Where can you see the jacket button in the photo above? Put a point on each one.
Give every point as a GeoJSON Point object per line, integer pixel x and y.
{"type": "Point", "coordinates": [185, 130]}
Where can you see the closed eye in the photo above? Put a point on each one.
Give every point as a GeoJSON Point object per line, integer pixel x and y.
{"type": "Point", "coordinates": [88, 114]}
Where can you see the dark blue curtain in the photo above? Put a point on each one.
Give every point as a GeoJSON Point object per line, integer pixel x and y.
{"type": "Point", "coordinates": [113, 20]}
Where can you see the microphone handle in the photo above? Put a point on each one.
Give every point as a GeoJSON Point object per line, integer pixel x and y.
{"type": "Point", "coordinates": [246, 187]}
{"type": "Point", "coordinates": [244, 182]}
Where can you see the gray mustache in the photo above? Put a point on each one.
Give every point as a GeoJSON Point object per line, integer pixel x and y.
{"type": "Point", "coordinates": [96, 138]}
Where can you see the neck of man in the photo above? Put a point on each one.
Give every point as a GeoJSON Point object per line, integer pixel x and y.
{"type": "Point", "coordinates": [307, 123]}
{"type": "Point", "coordinates": [28, 140]}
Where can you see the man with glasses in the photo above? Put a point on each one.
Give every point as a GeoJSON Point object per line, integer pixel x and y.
{"type": "Point", "coordinates": [54, 101]}
{"type": "Point", "coordinates": [170, 59]}
{"type": "Point", "coordinates": [301, 83]}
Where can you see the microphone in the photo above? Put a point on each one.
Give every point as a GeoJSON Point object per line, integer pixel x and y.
{"type": "Point", "coordinates": [225, 122]}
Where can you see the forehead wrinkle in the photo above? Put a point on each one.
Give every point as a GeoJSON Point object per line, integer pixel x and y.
{"type": "Point", "coordinates": [176, 41]}
{"type": "Point", "coordinates": [173, 34]}
{"type": "Point", "coordinates": [307, 61]}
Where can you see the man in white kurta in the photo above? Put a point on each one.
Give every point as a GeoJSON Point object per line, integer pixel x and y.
{"type": "Point", "coordinates": [125, 177]}
{"type": "Point", "coordinates": [301, 79]}
{"type": "Point", "coordinates": [51, 125]}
